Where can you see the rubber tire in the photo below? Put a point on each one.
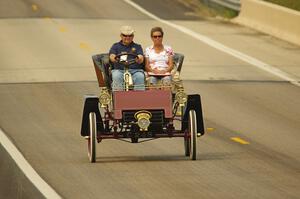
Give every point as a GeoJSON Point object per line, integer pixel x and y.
{"type": "Point", "coordinates": [193, 134]}
{"type": "Point", "coordinates": [187, 139]}
{"type": "Point", "coordinates": [134, 140]}
{"type": "Point", "coordinates": [187, 146]}
{"type": "Point", "coordinates": [93, 137]}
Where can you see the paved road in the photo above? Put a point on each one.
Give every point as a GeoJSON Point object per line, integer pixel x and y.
{"type": "Point", "coordinates": [46, 69]}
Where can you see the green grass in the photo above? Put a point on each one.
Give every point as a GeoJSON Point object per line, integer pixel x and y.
{"type": "Point", "coordinates": [293, 4]}
{"type": "Point", "coordinates": [224, 12]}
{"type": "Point", "coordinates": [216, 9]}
{"type": "Point", "coordinates": [208, 8]}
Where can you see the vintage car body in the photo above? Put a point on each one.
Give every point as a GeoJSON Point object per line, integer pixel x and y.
{"type": "Point", "coordinates": [145, 100]}
{"type": "Point", "coordinates": [140, 115]}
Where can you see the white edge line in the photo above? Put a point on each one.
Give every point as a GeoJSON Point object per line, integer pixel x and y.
{"type": "Point", "coordinates": [237, 54]}
{"type": "Point", "coordinates": [29, 172]}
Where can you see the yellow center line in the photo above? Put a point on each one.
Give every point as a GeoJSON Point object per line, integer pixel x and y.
{"type": "Point", "coordinates": [210, 129]}
{"type": "Point", "coordinates": [34, 7]}
{"type": "Point", "coordinates": [62, 29]}
{"type": "Point", "coordinates": [49, 19]}
{"type": "Point", "coordinates": [239, 140]}
{"type": "Point", "coordinates": [84, 46]}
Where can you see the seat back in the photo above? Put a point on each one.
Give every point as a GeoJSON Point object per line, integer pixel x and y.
{"type": "Point", "coordinates": [178, 61]}
{"type": "Point", "coordinates": [102, 69]}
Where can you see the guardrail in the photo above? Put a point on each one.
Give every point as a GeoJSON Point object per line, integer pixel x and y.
{"type": "Point", "coordinates": [232, 4]}
{"type": "Point", "coordinates": [270, 18]}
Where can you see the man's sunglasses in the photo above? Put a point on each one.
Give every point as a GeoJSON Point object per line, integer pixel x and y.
{"type": "Point", "coordinates": [157, 36]}
{"type": "Point", "coordinates": [127, 35]}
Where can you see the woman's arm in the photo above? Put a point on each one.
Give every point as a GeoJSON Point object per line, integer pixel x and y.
{"type": "Point", "coordinates": [170, 64]}
{"type": "Point", "coordinates": [147, 65]}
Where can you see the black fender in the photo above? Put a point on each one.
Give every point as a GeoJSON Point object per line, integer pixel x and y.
{"type": "Point", "coordinates": [90, 105]}
{"type": "Point", "coordinates": [193, 103]}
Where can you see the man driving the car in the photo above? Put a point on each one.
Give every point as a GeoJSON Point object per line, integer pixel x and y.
{"type": "Point", "coordinates": [126, 45]}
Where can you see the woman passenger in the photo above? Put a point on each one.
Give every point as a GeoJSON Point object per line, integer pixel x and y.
{"type": "Point", "coordinates": [159, 59]}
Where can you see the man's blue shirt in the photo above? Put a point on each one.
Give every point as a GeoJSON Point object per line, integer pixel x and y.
{"type": "Point", "coordinates": [133, 48]}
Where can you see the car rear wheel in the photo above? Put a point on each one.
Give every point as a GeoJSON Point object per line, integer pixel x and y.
{"type": "Point", "coordinates": [190, 140]}
{"type": "Point", "coordinates": [187, 144]}
{"type": "Point", "coordinates": [93, 137]}
{"type": "Point", "coordinates": [193, 133]}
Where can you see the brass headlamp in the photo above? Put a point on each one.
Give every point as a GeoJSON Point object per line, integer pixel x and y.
{"type": "Point", "coordinates": [104, 98]}
{"type": "Point", "coordinates": [143, 119]}
{"type": "Point", "coordinates": [181, 97]}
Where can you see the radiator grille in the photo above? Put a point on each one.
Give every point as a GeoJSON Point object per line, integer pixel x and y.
{"type": "Point", "coordinates": [157, 116]}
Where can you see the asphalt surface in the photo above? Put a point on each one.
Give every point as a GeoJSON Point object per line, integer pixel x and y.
{"type": "Point", "coordinates": [252, 118]}
{"type": "Point", "coordinates": [14, 183]}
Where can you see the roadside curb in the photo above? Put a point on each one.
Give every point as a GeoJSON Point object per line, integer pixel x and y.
{"type": "Point", "coordinates": [271, 19]}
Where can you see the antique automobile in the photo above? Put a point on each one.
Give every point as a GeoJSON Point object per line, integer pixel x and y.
{"type": "Point", "coordinates": [137, 116]}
